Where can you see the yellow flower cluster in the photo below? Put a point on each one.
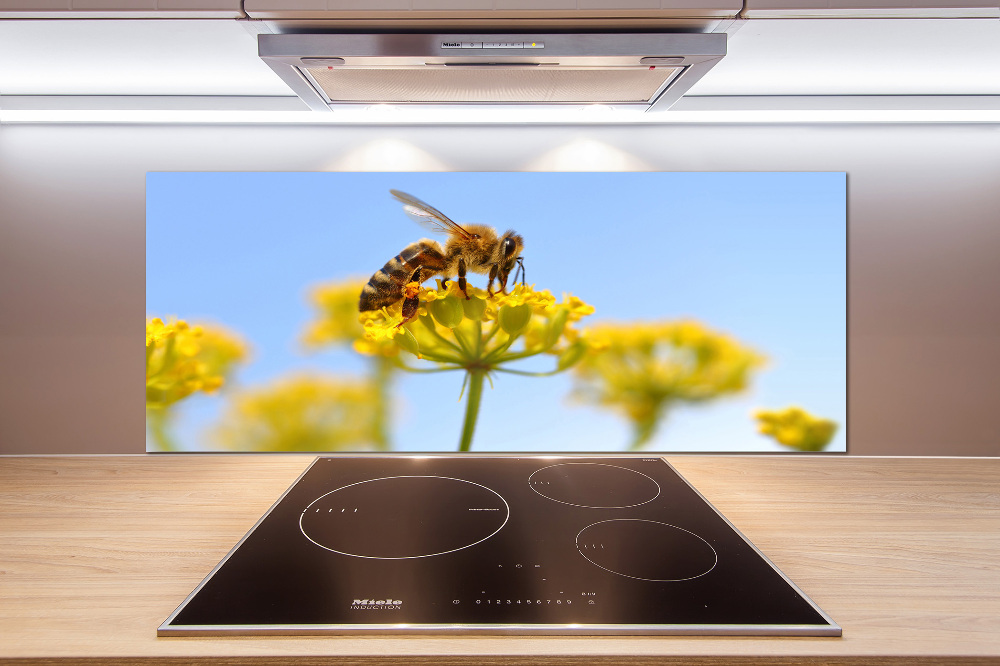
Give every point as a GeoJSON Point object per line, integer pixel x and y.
{"type": "Point", "coordinates": [302, 413]}
{"type": "Point", "coordinates": [480, 332]}
{"type": "Point", "coordinates": [337, 320]}
{"type": "Point", "coordinates": [796, 428]}
{"type": "Point", "coordinates": [182, 359]}
{"type": "Point", "coordinates": [644, 369]}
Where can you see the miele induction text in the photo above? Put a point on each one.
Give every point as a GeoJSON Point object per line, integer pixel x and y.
{"type": "Point", "coordinates": [376, 604]}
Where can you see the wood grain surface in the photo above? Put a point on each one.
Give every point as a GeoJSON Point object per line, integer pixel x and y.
{"type": "Point", "coordinates": [904, 553]}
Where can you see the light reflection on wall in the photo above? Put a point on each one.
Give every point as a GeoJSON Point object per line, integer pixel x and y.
{"type": "Point", "coordinates": [387, 155]}
{"type": "Point", "coordinates": [583, 154]}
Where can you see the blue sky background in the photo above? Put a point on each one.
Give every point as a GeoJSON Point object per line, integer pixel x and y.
{"type": "Point", "coordinates": [761, 256]}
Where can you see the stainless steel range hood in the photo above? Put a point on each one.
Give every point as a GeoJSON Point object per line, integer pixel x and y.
{"type": "Point", "coordinates": [645, 71]}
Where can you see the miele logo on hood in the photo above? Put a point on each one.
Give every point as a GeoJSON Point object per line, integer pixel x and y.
{"type": "Point", "coordinates": [376, 604]}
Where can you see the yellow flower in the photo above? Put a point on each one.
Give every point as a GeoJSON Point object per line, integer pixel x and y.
{"type": "Point", "coordinates": [182, 359]}
{"type": "Point", "coordinates": [428, 294]}
{"type": "Point", "coordinates": [483, 331]}
{"type": "Point", "coordinates": [302, 413]}
{"type": "Point", "coordinates": [645, 369]}
{"type": "Point", "coordinates": [337, 316]}
{"type": "Point", "coordinates": [576, 307]}
{"type": "Point", "coordinates": [380, 325]}
{"type": "Point", "coordinates": [337, 321]}
{"type": "Point", "coordinates": [521, 294]}
{"type": "Point", "coordinates": [480, 334]}
{"type": "Point", "coordinates": [796, 428]}
{"type": "Point", "coordinates": [157, 331]}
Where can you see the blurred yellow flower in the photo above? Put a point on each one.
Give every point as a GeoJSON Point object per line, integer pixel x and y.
{"type": "Point", "coordinates": [337, 323]}
{"type": "Point", "coordinates": [337, 320]}
{"type": "Point", "coordinates": [302, 413]}
{"type": "Point", "coordinates": [645, 369]}
{"type": "Point", "coordinates": [480, 334]}
{"type": "Point", "coordinates": [577, 308]}
{"type": "Point", "coordinates": [182, 359]}
{"type": "Point", "coordinates": [796, 428]}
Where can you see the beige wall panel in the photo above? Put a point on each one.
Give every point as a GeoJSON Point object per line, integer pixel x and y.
{"type": "Point", "coordinates": [924, 366]}
{"type": "Point", "coordinates": [120, 9]}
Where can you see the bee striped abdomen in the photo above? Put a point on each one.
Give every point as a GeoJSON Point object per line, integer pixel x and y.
{"type": "Point", "coordinates": [386, 286]}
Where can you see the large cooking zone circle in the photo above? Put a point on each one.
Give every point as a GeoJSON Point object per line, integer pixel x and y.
{"type": "Point", "coordinates": [404, 517]}
{"type": "Point", "coordinates": [646, 550]}
{"type": "Point", "coordinates": [594, 485]}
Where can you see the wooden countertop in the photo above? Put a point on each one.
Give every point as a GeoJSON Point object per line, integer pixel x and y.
{"type": "Point", "coordinates": [903, 553]}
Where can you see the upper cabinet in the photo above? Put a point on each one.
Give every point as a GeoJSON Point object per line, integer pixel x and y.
{"type": "Point", "coordinates": [121, 9]}
{"type": "Point", "coordinates": [690, 15]}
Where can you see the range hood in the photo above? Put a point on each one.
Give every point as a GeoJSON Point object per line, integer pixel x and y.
{"type": "Point", "coordinates": [643, 71]}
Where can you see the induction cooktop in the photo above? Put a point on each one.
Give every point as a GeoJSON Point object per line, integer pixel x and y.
{"type": "Point", "coordinates": [495, 545]}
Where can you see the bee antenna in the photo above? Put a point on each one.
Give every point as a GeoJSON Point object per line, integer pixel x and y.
{"type": "Point", "coordinates": [520, 270]}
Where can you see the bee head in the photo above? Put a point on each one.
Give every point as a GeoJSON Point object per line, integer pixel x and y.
{"type": "Point", "coordinates": [511, 245]}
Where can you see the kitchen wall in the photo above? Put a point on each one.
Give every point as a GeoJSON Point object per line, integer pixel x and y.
{"type": "Point", "coordinates": [924, 238]}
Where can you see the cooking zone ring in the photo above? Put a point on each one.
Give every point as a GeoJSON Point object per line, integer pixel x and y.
{"type": "Point", "coordinates": [426, 516]}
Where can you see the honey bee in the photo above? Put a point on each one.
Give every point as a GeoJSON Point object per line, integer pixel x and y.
{"type": "Point", "coordinates": [475, 248]}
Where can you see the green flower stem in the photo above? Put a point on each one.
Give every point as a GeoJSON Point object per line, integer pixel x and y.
{"type": "Point", "coordinates": [440, 358]}
{"type": "Point", "coordinates": [475, 377]}
{"type": "Point", "coordinates": [494, 354]}
{"type": "Point", "coordinates": [642, 432]}
{"type": "Point", "coordinates": [383, 376]}
{"type": "Point", "coordinates": [157, 420]}
{"type": "Point", "coordinates": [168, 358]}
{"type": "Point", "coordinates": [525, 373]}
{"type": "Point", "coordinates": [489, 336]}
{"type": "Point", "coordinates": [448, 342]}
{"type": "Point", "coordinates": [480, 344]}
{"type": "Point", "coordinates": [519, 355]}
{"type": "Point", "coordinates": [466, 347]}
{"type": "Point", "coordinates": [409, 368]}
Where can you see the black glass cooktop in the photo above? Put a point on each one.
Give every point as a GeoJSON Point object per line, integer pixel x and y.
{"type": "Point", "coordinates": [501, 545]}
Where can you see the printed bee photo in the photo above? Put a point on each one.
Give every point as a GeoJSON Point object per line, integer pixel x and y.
{"type": "Point", "coordinates": [473, 247]}
{"type": "Point", "coordinates": [514, 312]}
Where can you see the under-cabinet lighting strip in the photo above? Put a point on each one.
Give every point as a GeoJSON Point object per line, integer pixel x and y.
{"type": "Point", "coordinates": [668, 118]}
{"type": "Point", "coordinates": [689, 110]}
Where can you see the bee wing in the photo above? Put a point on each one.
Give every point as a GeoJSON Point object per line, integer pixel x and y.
{"type": "Point", "coordinates": [428, 215]}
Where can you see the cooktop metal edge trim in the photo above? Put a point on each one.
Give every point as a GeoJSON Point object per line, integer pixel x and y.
{"type": "Point", "coordinates": [504, 629]}
{"type": "Point", "coordinates": [835, 629]}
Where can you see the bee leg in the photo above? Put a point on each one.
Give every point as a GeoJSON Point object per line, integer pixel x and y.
{"type": "Point", "coordinates": [411, 298]}
{"type": "Point", "coordinates": [494, 269]}
{"type": "Point", "coordinates": [461, 277]}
